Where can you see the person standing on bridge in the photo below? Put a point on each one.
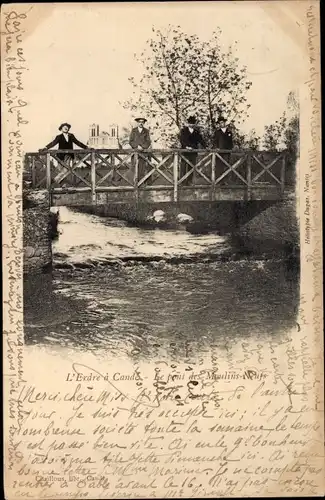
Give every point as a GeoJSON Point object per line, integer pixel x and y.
{"type": "Point", "coordinates": [222, 139]}
{"type": "Point", "coordinates": [65, 140]}
{"type": "Point", "coordinates": [140, 140]}
{"type": "Point", "coordinates": [190, 138]}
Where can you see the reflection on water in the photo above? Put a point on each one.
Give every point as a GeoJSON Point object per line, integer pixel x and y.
{"type": "Point", "coordinates": [153, 309]}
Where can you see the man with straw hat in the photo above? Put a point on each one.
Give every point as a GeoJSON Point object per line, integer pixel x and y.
{"type": "Point", "coordinates": [140, 140]}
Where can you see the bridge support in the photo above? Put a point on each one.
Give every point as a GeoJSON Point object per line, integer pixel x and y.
{"type": "Point", "coordinates": [36, 231]}
{"type": "Point", "coordinates": [273, 227]}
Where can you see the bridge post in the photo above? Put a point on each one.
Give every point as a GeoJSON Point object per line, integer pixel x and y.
{"type": "Point", "coordinates": [175, 176]}
{"type": "Point", "coordinates": [249, 176]}
{"type": "Point", "coordinates": [136, 176]}
{"type": "Point", "coordinates": [213, 176]}
{"type": "Point", "coordinates": [93, 178]}
{"type": "Point", "coordinates": [283, 172]}
{"type": "Point", "coordinates": [48, 171]}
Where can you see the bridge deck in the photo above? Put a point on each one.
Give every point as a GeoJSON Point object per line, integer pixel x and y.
{"type": "Point", "coordinates": [88, 177]}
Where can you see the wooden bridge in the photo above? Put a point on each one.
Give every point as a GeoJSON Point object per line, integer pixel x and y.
{"type": "Point", "coordinates": [102, 176]}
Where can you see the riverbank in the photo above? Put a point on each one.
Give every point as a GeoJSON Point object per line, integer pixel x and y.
{"type": "Point", "coordinates": [276, 228]}
{"type": "Point", "coordinates": [37, 231]}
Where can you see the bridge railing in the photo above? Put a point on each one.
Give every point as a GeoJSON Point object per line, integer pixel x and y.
{"type": "Point", "coordinates": [176, 170]}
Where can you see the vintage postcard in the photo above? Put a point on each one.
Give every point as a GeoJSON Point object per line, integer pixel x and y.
{"type": "Point", "coordinates": [162, 257]}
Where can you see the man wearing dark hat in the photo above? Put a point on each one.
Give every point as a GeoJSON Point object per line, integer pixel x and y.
{"type": "Point", "coordinates": [65, 140]}
{"type": "Point", "coordinates": [140, 140]}
{"type": "Point", "coordinates": [190, 138]}
{"type": "Point", "coordinates": [223, 139]}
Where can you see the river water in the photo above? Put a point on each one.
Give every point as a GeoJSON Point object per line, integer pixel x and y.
{"type": "Point", "coordinates": [121, 291]}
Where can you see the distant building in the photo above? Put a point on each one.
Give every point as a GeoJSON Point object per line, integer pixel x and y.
{"type": "Point", "coordinates": [102, 139]}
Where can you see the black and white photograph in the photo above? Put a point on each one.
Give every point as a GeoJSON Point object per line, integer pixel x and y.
{"type": "Point", "coordinates": [160, 191]}
{"type": "Point", "coordinates": [163, 190]}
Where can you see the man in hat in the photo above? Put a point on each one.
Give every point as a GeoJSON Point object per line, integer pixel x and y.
{"type": "Point", "coordinates": [140, 140]}
{"type": "Point", "coordinates": [223, 139]}
{"type": "Point", "coordinates": [190, 138]}
{"type": "Point", "coordinates": [65, 140]}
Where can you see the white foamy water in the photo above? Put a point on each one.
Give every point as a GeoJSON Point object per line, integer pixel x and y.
{"type": "Point", "coordinates": [84, 236]}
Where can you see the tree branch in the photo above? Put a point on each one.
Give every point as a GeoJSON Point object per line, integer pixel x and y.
{"type": "Point", "coordinates": [164, 110]}
{"type": "Point", "coordinates": [171, 79]}
{"type": "Point", "coordinates": [212, 124]}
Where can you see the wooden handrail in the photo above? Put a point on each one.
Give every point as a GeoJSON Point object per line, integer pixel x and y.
{"type": "Point", "coordinates": [129, 151]}
{"type": "Point", "coordinates": [142, 171]}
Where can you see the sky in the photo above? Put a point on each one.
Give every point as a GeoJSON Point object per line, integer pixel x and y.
{"type": "Point", "coordinates": [80, 59]}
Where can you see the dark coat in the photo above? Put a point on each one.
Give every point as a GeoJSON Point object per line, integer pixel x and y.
{"type": "Point", "coordinates": [223, 140]}
{"type": "Point", "coordinates": [191, 139]}
{"type": "Point", "coordinates": [138, 138]}
{"type": "Point", "coordinates": [63, 144]}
